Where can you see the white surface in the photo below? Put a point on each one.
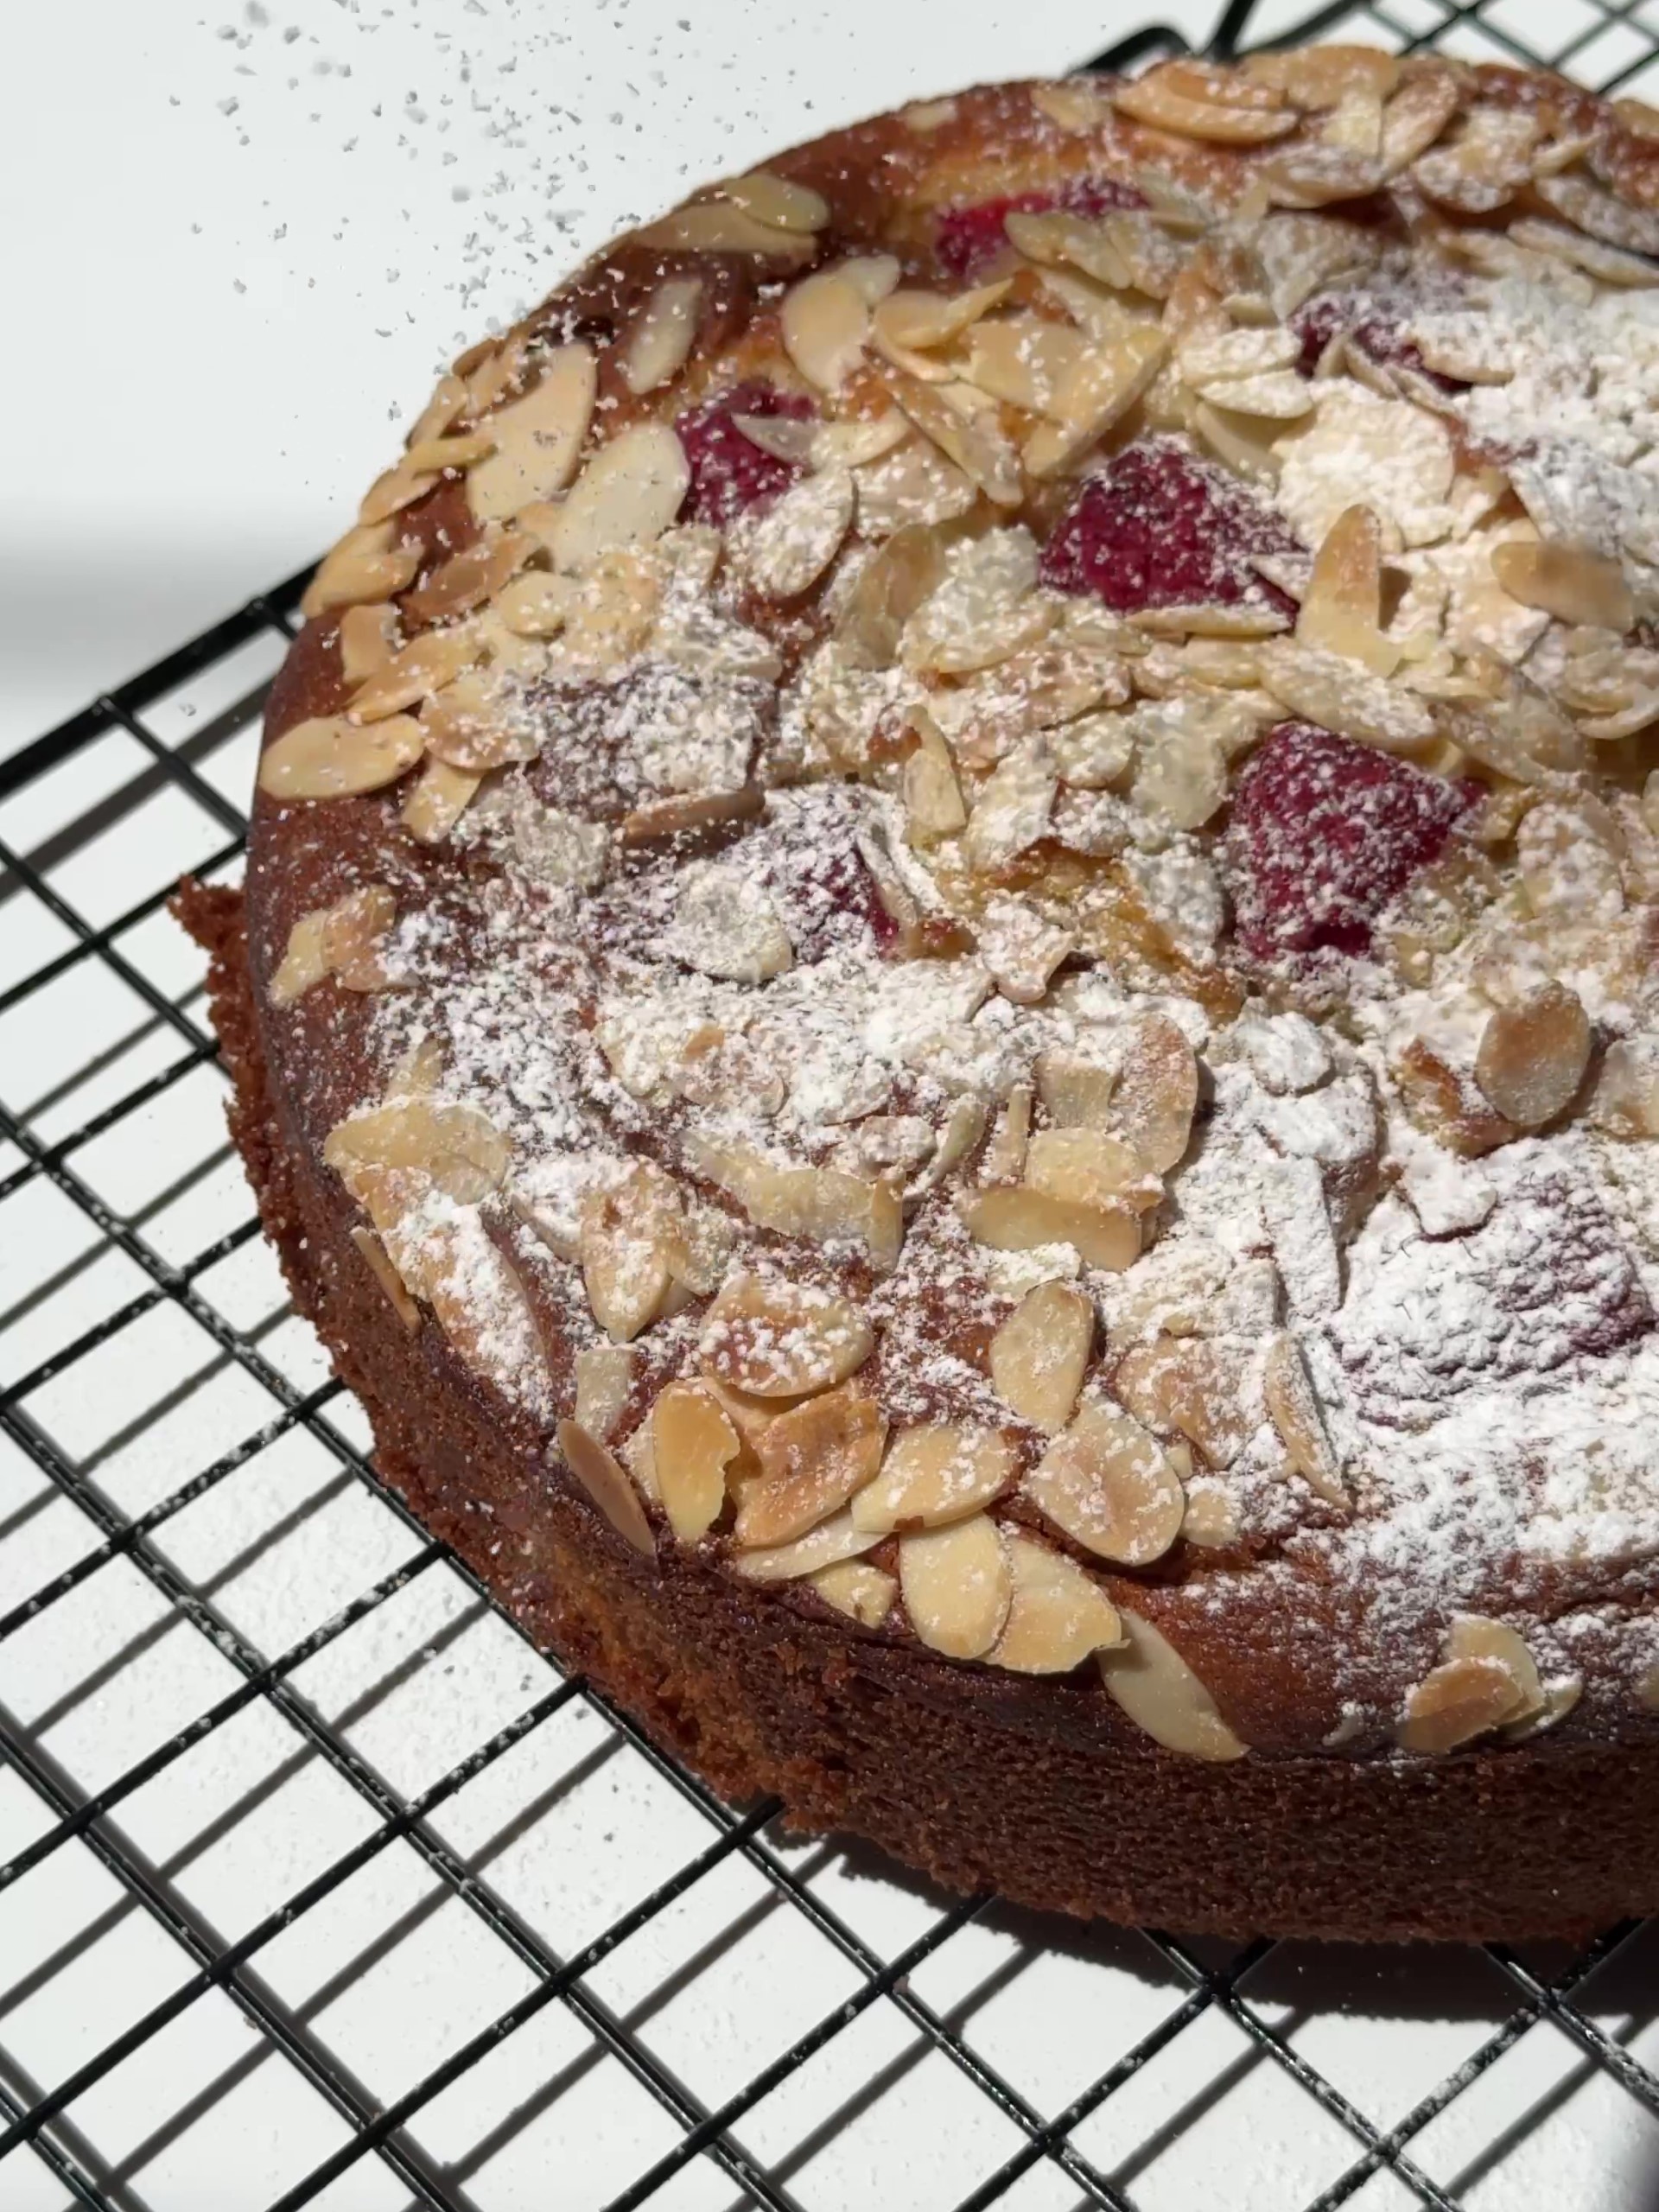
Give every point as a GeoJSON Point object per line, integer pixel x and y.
{"type": "Point", "coordinates": [229, 260]}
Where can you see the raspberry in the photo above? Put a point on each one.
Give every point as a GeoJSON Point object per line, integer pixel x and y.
{"type": "Point", "coordinates": [1155, 527]}
{"type": "Point", "coordinates": [969, 237]}
{"type": "Point", "coordinates": [1324, 834]}
{"type": "Point", "coordinates": [728, 472]}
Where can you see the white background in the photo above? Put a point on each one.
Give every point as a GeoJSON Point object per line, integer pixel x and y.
{"type": "Point", "coordinates": [238, 239]}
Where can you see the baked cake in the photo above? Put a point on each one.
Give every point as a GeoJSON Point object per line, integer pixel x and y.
{"type": "Point", "coordinates": [946, 990]}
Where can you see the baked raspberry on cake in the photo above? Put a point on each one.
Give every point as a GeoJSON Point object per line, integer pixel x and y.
{"type": "Point", "coordinates": [946, 989]}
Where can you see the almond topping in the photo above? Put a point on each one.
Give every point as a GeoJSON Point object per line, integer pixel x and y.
{"type": "Point", "coordinates": [437, 798]}
{"type": "Point", "coordinates": [1300, 1423]}
{"type": "Point", "coordinates": [628, 494]}
{"type": "Point", "coordinates": [353, 934]}
{"type": "Point", "coordinates": [1039, 1356]}
{"type": "Point", "coordinates": [1157, 1092]}
{"type": "Point", "coordinates": [331, 757]}
{"type": "Point", "coordinates": [1533, 1055]}
{"type": "Point", "coordinates": [1342, 696]}
{"type": "Point", "coordinates": [1108, 1483]}
{"type": "Point", "coordinates": [661, 339]}
{"type": "Point", "coordinates": [1093, 396]}
{"type": "Point", "coordinates": [936, 1474]}
{"type": "Point", "coordinates": [393, 491]}
{"type": "Point", "coordinates": [1057, 1615]}
{"type": "Point", "coordinates": [681, 816]}
{"type": "Point", "coordinates": [776, 201]}
{"type": "Point", "coordinates": [777, 1339]}
{"type": "Point", "coordinates": [932, 796]}
{"type": "Point", "coordinates": [863, 1592]}
{"type": "Point", "coordinates": [1077, 1093]}
{"type": "Point", "coordinates": [1342, 607]}
{"type": "Point", "coordinates": [1192, 1385]}
{"type": "Point", "coordinates": [444, 407]}
{"type": "Point", "coordinates": [1486, 1680]}
{"type": "Point", "coordinates": [1319, 76]}
{"type": "Point", "coordinates": [424, 666]}
{"type": "Point", "coordinates": [813, 1457]}
{"type": "Point", "coordinates": [914, 320]}
{"type": "Point", "coordinates": [379, 1263]}
{"type": "Point", "coordinates": [1566, 581]}
{"type": "Point", "coordinates": [455, 1146]}
{"type": "Point", "coordinates": [363, 569]}
{"type": "Point", "coordinates": [827, 1545]}
{"type": "Point", "coordinates": [623, 1247]}
{"type": "Point", "coordinates": [827, 1204]}
{"type": "Point", "coordinates": [957, 1587]}
{"type": "Point", "coordinates": [977, 443]}
{"type": "Point", "coordinates": [1085, 1167]}
{"type": "Point", "coordinates": [799, 535]}
{"type": "Point", "coordinates": [1148, 1678]}
{"type": "Point", "coordinates": [368, 639]}
{"type": "Point", "coordinates": [825, 321]}
{"type": "Point", "coordinates": [722, 226]}
{"type": "Point", "coordinates": [472, 724]}
{"type": "Point", "coordinates": [891, 584]}
{"type": "Point", "coordinates": [604, 1379]}
{"type": "Point", "coordinates": [1625, 1104]}
{"type": "Point", "coordinates": [305, 962]}
{"type": "Point", "coordinates": [1024, 360]}
{"type": "Point", "coordinates": [692, 1443]}
{"type": "Point", "coordinates": [1154, 99]}
{"type": "Point", "coordinates": [539, 439]}
{"type": "Point", "coordinates": [470, 577]}
{"type": "Point", "coordinates": [602, 1475]}
{"type": "Point", "coordinates": [1019, 1219]}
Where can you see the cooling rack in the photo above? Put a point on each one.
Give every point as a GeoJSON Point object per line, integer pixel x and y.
{"type": "Point", "coordinates": [320, 1886]}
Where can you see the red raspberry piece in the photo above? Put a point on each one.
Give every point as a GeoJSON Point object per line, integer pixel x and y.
{"type": "Point", "coordinates": [729, 472]}
{"type": "Point", "coordinates": [1157, 527]}
{"type": "Point", "coordinates": [1324, 834]}
{"type": "Point", "coordinates": [968, 237]}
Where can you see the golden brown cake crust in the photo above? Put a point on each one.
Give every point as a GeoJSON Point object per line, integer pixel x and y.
{"type": "Point", "coordinates": [1286, 1561]}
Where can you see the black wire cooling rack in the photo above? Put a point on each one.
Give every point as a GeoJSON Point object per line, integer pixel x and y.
{"type": "Point", "coordinates": [325, 1893]}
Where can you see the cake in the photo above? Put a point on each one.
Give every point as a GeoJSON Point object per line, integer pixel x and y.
{"type": "Point", "coordinates": [945, 993]}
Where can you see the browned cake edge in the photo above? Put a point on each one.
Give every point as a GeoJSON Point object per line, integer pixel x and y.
{"type": "Point", "coordinates": [1038, 1791]}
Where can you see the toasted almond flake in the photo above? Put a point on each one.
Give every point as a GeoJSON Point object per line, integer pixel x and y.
{"type": "Point", "coordinates": [472, 726]}
{"type": "Point", "coordinates": [957, 1587]}
{"type": "Point", "coordinates": [1094, 396]}
{"type": "Point", "coordinates": [863, 1592]}
{"type": "Point", "coordinates": [364, 569]}
{"type": "Point", "coordinates": [914, 486]}
{"type": "Point", "coordinates": [1147, 1677]}
{"type": "Point", "coordinates": [450, 455]}
{"type": "Point", "coordinates": [912, 320]}
{"type": "Point", "coordinates": [437, 798]}
{"type": "Point", "coordinates": [625, 1231]}
{"type": "Point", "coordinates": [1011, 809]}
{"type": "Point", "coordinates": [776, 1339]}
{"type": "Point", "coordinates": [1279, 396]}
{"type": "Point", "coordinates": [1180, 773]}
{"type": "Point", "coordinates": [1022, 950]}
{"type": "Point", "coordinates": [375, 1254]}
{"type": "Point", "coordinates": [777, 201]}
{"type": "Point", "coordinates": [604, 1379]}
{"type": "Point", "coordinates": [1236, 441]}
{"type": "Point", "coordinates": [368, 639]}
{"type": "Point", "coordinates": [1019, 1219]}
{"type": "Point", "coordinates": [680, 816]}
{"type": "Point", "coordinates": [1299, 1422]}
{"type": "Point", "coordinates": [1004, 1158]}
{"type": "Point", "coordinates": [331, 757]}
{"type": "Point", "coordinates": [1039, 1356]}
{"type": "Point", "coordinates": [1485, 166]}
{"type": "Point", "coordinates": [799, 535]}
{"type": "Point", "coordinates": [1211, 1518]}
{"type": "Point", "coordinates": [825, 1205]}
{"type": "Point", "coordinates": [443, 409]}
{"type": "Point", "coordinates": [1428, 95]}
{"type": "Point", "coordinates": [1157, 1092]}
{"type": "Point", "coordinates": [722, 226]}
{"type": "Point", "coordinates": [1319, 76]}
{"type": "Point", "coordinates": [1533, 1055]}
{"type": "Point", "coordinates": [1222, 83]}
{"type": "Point", "coordinates": [627, 495]}
{"type": "Point", "coordinates": [1074, 105]}
{"type": "Point", "coordinates": [1108, 1483]}
{"type": "Point", "coordinates": [1059, 1614]}
{"type": "Point", "coordinates": [1566, 581]}
{"type": "Point", "coordinates": [1343, 695]}
{"type": "Point", "coordinates": [828, 1545]}
{"type": "Point", "coordinates": [537, 605]}
{"type": "Point", "coordinates": [977, 444]}
{"type": "Point", "coordinates": [1056, 240]}
{"type": "Point", "coordinates": [1601, 214]}
{"type": "Point", "coordinates": [305, 962]}
{"type": "Point", "coordinates": [1155, 100]}
{"type": "Point", "coordinates": [1611, 264]}
{"type": "Point", "coordinates": [1086, 1167]}
{"type": "Point", "coordinates": [813, 1457]}
{"type": "Point", "coordinates": [1567, 854]}
{"type": "Point", "coordinates": [353, 934]}
{"type": "Point", "coordinates": [424, 666]}
{"type": "Point", "coordinates": [602, 1475]}
{"type": "Point", "coordinates": [932, 797]}
{"type": "Point", "coordinates": [692, 1443]}
{"type": "Point", "coordinates": [1486, 1680]}
{"type": "Point", "coordinates": [1094, 753]}
{"type": "Point", "coordinates": [455, 1145]}
{"type": "Point", "coordinates": [539, 439]}
{"type": "Point", "coordinates": [662, 335]}
{"type": "Point", "coordinates": [936, 1474]}
{"type": "Point", "coordinates": [1341, 608]}
{"type": "Point", "coordinates": [1626, 1103]}
{"type": "Point", "coordinates": [1075, 1092]}
{"type": "Point", "coordinates": [825, 322]}
{"type": "Point", "coordinates": [1191, 1385]}
{"type": "Point", "coordinates": [393, 490]}
{"type": "Point", "coordinates": [1216, 354]}
{"type": "Point", "coordinates": [469, 578]}
{"type": "Point", "coordinates": [1023, 359]}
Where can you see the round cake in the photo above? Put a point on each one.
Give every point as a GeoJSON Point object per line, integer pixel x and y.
{"type": "Point", "coordinates": [946, 989]}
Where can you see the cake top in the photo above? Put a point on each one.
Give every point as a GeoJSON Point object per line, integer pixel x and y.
{"type": "Point", "coordinates": [964, 866]}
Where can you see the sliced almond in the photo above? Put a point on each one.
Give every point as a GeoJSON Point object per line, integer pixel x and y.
{"type": "Point", "coordinates": [1154, 99]}
{"type": "Point", "coordinates": [1147, 1677]}
{"type": "Point", "coordinates": [658, 342]}
{"type": "Point", "coordinates": [1019, 1219]}
{"type": "Point", "coordinates": [827, 1204]}
{"type": "Point", "coordinates": [1221, 83]}
{"type": "Point", "coordinates": [1602, 214]}
{"type": "Point", "coordinates": [977, 444]}
{"type": "Point", "coordinates": [777, 1339]}
{"type": "Point", "coordinates": [1277, 396]}
{"type": "Point", "coordinates": [1486, 1680]}
{"type": "Point", "coordinates": [692, 1444]}
{"type": "Point", "coordinates": [682, 816]}
{"type": "Point", "coordinates": [539, 439]}
{"type": "Point", "coordinates": [628, 494]}
{"type": "Point", "coordinates": [1341, 608]}
{"type": "Point", "coordinates": [1189, 1384]}
{"type": "Point", "coordinates": [1429, 93]}
{"type": "Point", "coordinates": [445, 407]}
{"type": "Point", "coordinates": [1299, 1422]}
{"type": "Point", "coordinates": [424, 666]}
{"type": "Point", "coordinates": [1085, 1167]}
{"type": "Point", "coordinates": [1057, 1616]}
{"type": "Point", "coordinates": [379, 1263]}
{"type": "Point", "coordinates": [722, 226]}
{"type": "Point", "coordinates": [936, 1474]}
{"type": "Point", "coordinates": [456, 1147]}
{"type": "Point", "coordinates": [777, 201]}
{"type": "Point", "coordinates": [1626, 1103]}
{"type": "Point", "coordinates": [331, 757]}
{"type": "Point", "coordinates": [1093, 397]}
{"type": "Point", "coordinates": [353, 934]}
{"type": "Point", "coordinates": [1533, 1055]}
{"type": "Point", "coordinates": [437, 798]}
{"type": "Point", "coordinates": [1077, 1093]}
{"type": "Point", "coordinates": [799, 535]}
{"type": "Point", "coordinates": [933, 801]}
{"type": "Point", "coordinates": [827, 1545]}
{"type": "Point", "coordinates": [1039, 1356]}
{"type": "Point", "coordinates": [1236, 442]}
{"type": "Point", "coordinates": [475, 724]}
{"type": "Point", "coordinates": [1023, 359]}
{"type": "Point", "coordinates": [813, 1457]}
{"type": "Point", "coordinates": [1611, 264]}
{"type": "Point", "coordinates": [863, 1592]}
{"type": "Point", "coordinates": [1108, 1483]}
{"type": "Point", "coordinates": [604, 1478]}
{"type": "Point", "coordinates": [914, 485]}
{"type": "Point", "coordinates": [1566, 581]}
{"type": "Point", "coordinates": [915, 320]}
{"type": "Point", "coordinates": [623, 1245]}
{"type": "Point", "coordinates": [1343, 695]}
{"type": "Point", "coordinates": [825, 320]}
{"type": "Point", "coordinates": [1214, 356]}
{"type": "Point", "coordinates": [470, 577]}
{"type": "Point", "coordinates": [604, 1379]}
{"type": "Point", "coordinates": [958, 1587]}
{"type": "Point", "coordinates": [393, 491]}
{"type": "Point", "coordinates": [1316, 77]}
{"type": "Point", "coordinates": [305, 962]}
{"type": "Point", "coordinates": [1157, 1092]}
{"type": "Point", "coordinates": [1004, 1157]}
{"type": "Point", "coordinates": [1011, 810]}
{"type": "Point", "coordinates": [368, 639]}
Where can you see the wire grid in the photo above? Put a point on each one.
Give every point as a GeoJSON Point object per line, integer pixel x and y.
{"type": "Point", "coordinates": [221, 1981]}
